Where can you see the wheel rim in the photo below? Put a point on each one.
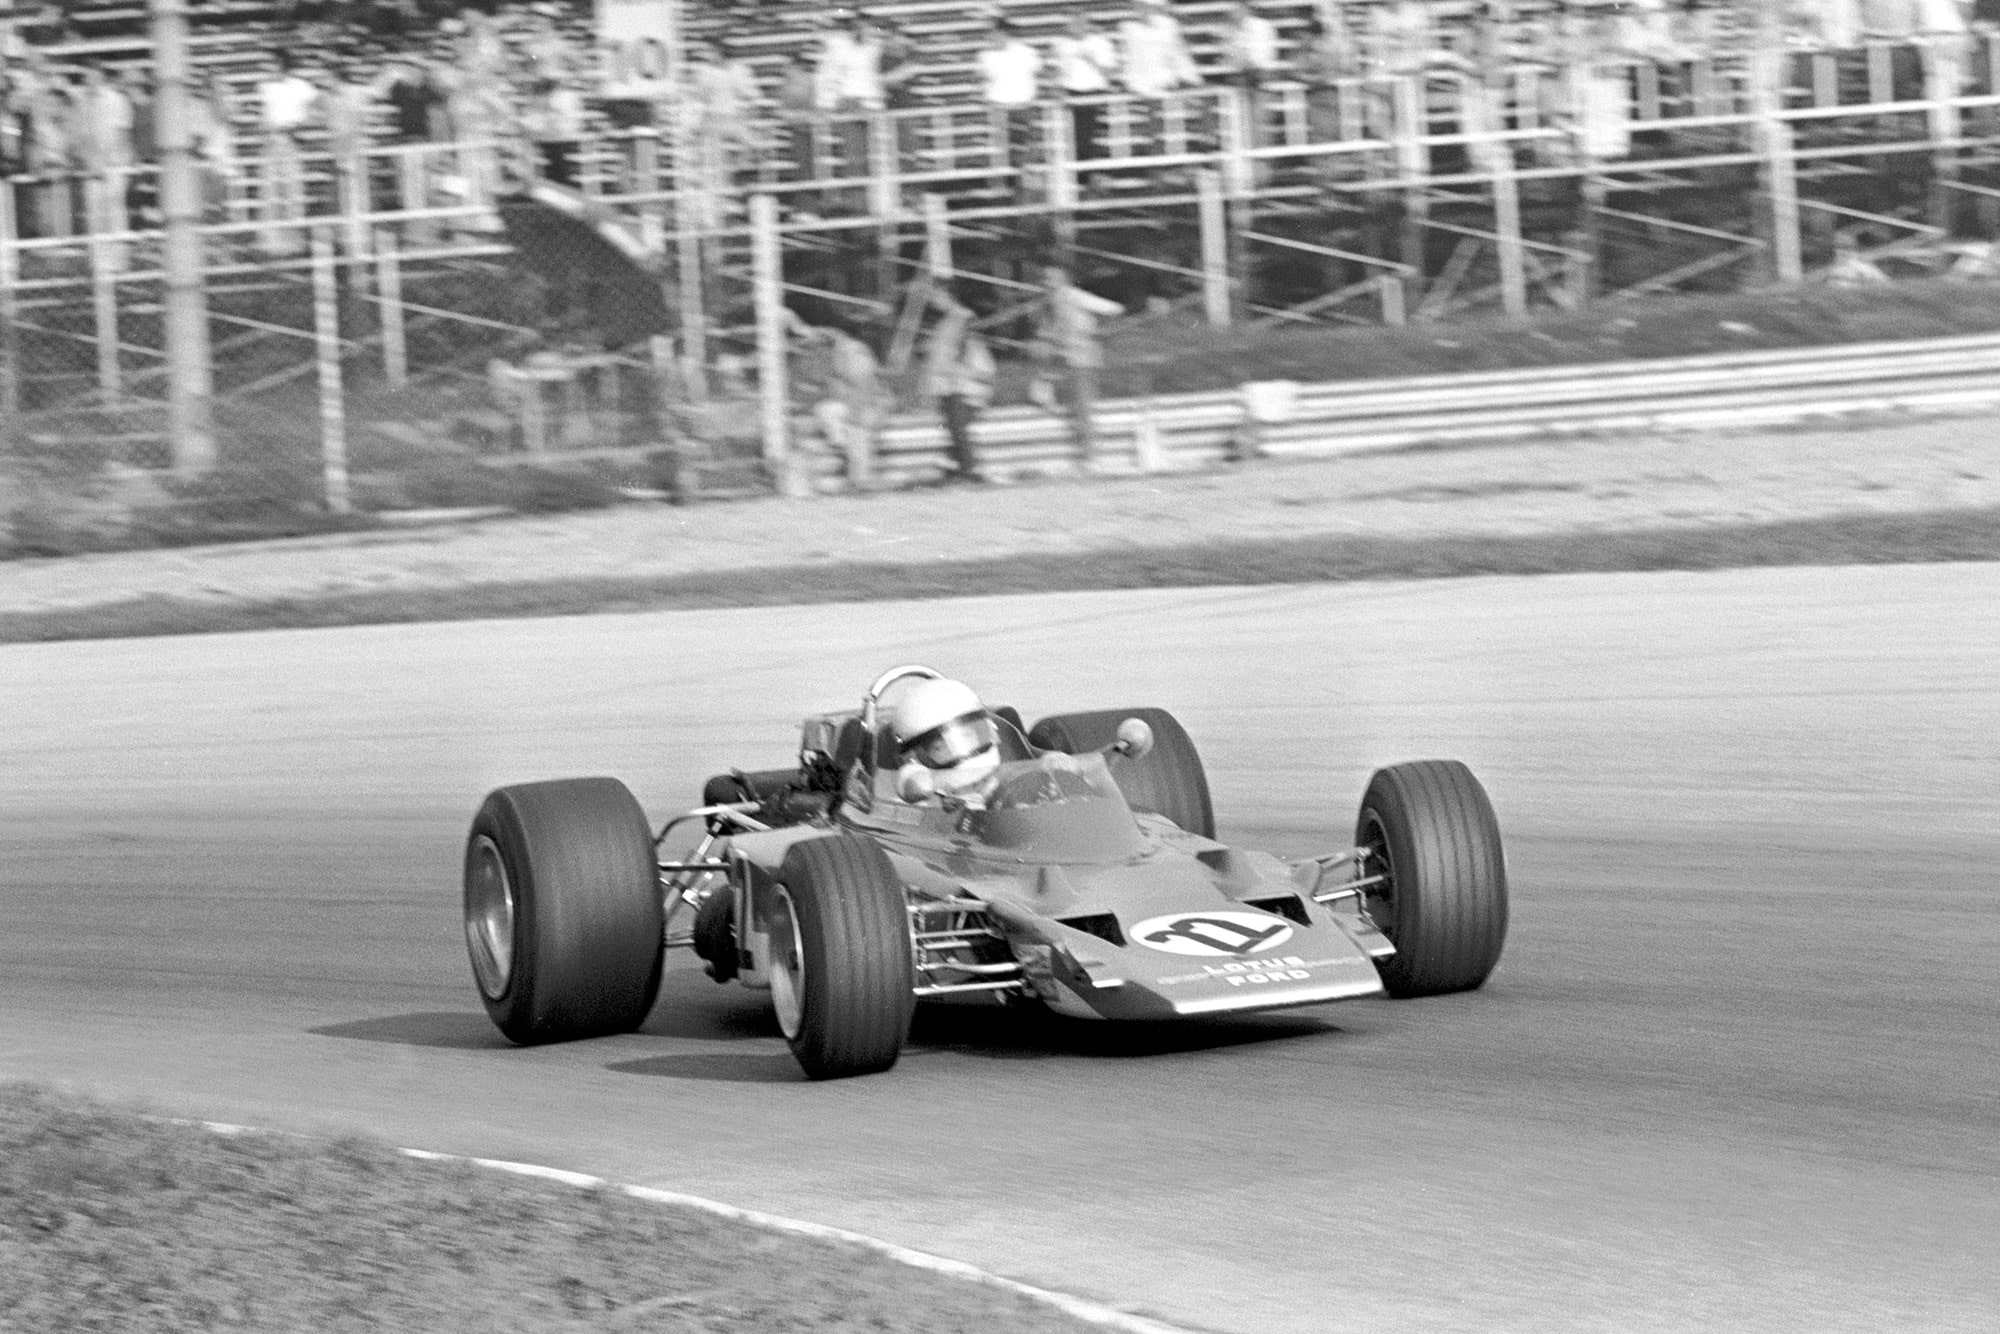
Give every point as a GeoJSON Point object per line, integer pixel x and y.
{"type": "Point", "coordinates": [1380, 900]}
{"type": "Point", "coordinates": [489, 917]}
{"type": "Point", "coordinates": [787, 966]}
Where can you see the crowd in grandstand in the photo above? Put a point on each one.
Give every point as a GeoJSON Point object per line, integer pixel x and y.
{"type": "Point", "coordinates": [511, 87]}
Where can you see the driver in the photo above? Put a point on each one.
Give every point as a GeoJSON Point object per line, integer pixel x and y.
{"type": "Point", "coordinates": [940, 725]}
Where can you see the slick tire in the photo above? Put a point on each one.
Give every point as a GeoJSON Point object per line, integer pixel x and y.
{"type": "Point", "coordinates": [1169, 781]}
{"type": "Point", "coordinates": [563, 910]}
{"type": "Point", "coordinates": [1430, 830]}
{"type": "Point", "coordinates": [842, 978]}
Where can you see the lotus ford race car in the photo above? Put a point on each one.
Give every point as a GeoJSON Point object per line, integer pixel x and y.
{"type": "Point", "coordinates": [1082, 875]}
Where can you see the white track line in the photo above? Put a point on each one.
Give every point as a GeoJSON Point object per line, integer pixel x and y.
{"type": "Point", "coordinates": [1095, 1313]}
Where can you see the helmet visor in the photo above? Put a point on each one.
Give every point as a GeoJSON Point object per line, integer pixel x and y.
{"type": "Point", "coordinates": [953, 742]}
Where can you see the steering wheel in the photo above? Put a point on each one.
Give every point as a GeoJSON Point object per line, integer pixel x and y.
{"type": "Point", "coordinates": [873, 698]}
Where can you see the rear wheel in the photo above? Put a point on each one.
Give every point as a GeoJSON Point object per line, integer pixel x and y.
{"type": "Point", "coordinates": [1431, 834]}
{"type": "Point", "coordinates": [842, 980]}
{"type": "Point", "coordinates": [562, 910]}
{"type": "Point", "coordinates": [1169, 781]}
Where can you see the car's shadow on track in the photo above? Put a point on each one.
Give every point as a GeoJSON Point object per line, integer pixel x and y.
{"type": "Point", "coordinates": [1002, 1034]}
{"type": "Point", "coordinates": [464, 1030]}
{"type": "Point", "coordinates": [729, 1067]}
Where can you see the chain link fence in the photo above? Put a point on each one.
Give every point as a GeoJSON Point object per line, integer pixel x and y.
{"type": "Point", "coordinates": [345, 386]}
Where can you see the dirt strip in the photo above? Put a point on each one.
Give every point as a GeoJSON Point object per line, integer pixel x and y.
{"type": "Point", "coordinates": [1572, 489]}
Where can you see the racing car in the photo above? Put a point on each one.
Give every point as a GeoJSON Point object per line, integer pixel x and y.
{"type": "Point", "coordinates": [1085, 878]}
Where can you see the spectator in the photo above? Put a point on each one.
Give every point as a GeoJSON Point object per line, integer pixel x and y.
{"type": "Point", "coordinates": [1009, 67]}
{"type": "Point", "coordinates": [545, 51]}
{"type": "Point", "coordinates": [348, 106]}
{"type": "Point", "coordinates": [482, 120]}
{"type": "Point", "coordinates": [213, 146]}
{"type": "Point", "coordinates": [722, 97]}
{"type": "Point", "coordinates": [798, 104]}
{"type": "Point", "coordinates": [1249, 61]}
{"type": "Point", "coordinates": [419, 117]}
{"type": "Point", "coordinates": [1157, 61]}
{"type": "Point", "coordinates": [1325, 57]}
{"type": "Point", "coordinates": [1942, 34]}
{"type": "Point", "coordinates": [901, 67]}
{"type": "Point", "coordinates": [554, 122]}
{"type": "Point", "coordinates": [1084, 59]}
{"type": "Point", "coordinates": [142, 191]}
{"type": "Point", "coordinates": [287, 104]}
{"type": "Point", "coordinates": [958, 377]}
{"type": "Point", "coordinates": [850, 88]}
{"type": "Point", "coordinates": [840, 374]}
{"type": "Point", "coordinates": [103, 117]}
{"type": "Point", "coordinates": [716, 111]}
{"type": "Point", "coordinates": [1069, 339]}
{"type": "Point", "coordinates": [38, 113]}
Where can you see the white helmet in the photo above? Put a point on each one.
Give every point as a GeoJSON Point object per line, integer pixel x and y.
{"type": "Point", "coordinates": [941, 724]}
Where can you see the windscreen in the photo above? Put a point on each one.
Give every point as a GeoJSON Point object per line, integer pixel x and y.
{"type": "Point", "coordinates": [1051, 780]}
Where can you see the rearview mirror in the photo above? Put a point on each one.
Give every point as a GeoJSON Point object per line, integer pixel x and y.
{"type": "Point", "coordinates": [1135, 739]}
{"type": "Point", "coordinates": [916, 785]}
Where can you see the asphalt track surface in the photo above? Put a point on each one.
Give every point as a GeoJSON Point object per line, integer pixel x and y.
{"type": "Point", "coordinates": [1737, 1069]}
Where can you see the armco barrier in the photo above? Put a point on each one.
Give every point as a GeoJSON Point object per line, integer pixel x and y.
{"type": "Point", "coordinates": [1680, 393]}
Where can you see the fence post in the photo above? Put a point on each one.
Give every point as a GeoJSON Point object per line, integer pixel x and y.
{"type": "Point", "coordinates": [773, 384]}
{"type": "Point", "coordinates": [1214, 249]}
{"type": "Point", "coordinates": [1395, 306]}
{"type": "Point", "coordinates": [1507, 219]}
{"type": "Point", "coordinates": [693, 309]}
{"type": "Point", "coordinates": [190, 371]}
{"type": "Point", "coordinates": [389, 281]}
{"type": "Point", "coordinates": [10, 333]}
{"type": "Point", "coordinates": [1779, 168]}
{"type": "Point", "coordinates": [326, 344]}
{"type": "Point", "coordinates": [937, 240]}
{"type": "Point", "coordinates": [104, 306]}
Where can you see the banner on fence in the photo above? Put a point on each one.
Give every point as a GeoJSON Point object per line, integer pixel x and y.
{"type": "Point", "coordinates": [638, 46]}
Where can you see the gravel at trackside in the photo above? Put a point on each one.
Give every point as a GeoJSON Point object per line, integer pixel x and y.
{"type": "Point", "coordinates": [1605, 485]}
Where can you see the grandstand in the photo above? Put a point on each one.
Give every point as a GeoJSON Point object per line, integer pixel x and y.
{"type": "Point", "coordinates": [1552, 159]}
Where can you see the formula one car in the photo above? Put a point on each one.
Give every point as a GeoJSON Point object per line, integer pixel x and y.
{"type": "Point", "coordinates": [1085, 877]}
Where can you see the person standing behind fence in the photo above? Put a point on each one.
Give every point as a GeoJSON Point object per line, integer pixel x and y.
{"type": "Point", "coordinates": [142, 190]}
{"type": "Point", "coordinates": [1325, 57]}
{"type": "Point", "coordinates": [797, 101]}
{"type": "Point", "coordinates": [1084, 58]}
{"type": "Point", "coordinates": [482, 120]}
{"type": "Point", "coordinates": [901, 67]}
{"type": "Point", "coordinates": [850, 88]}
{"type": "Point", "coordinates": [840, 375]}
{"type": "Point", "coordinates": [1009, 67]}
{"type": "Point", "coordinates": [720, 100]}
{"type": "Point", "coordinates": [287, 104]}
{"type": "Point", "coordinates": [104, 144]}
{"type": "Point", "coordinates": [958, 377]}
{"type": "Point", "coordinates": [418, 117]}
{"type": "Point", "coordinates": [348, 107]}
{"type": "Point", "coordinates": [213, 144]}
{"type": "Point", "coordinates": [1157, 64]}
{"type": "Point", "coordinates": [47, 124]}
{"type": "Point", "coordinates": [554, 121]}
{"type": "Point", "coordinates": [1069, 338]}
{"type": "Point", "coordinates": [1249, 61]}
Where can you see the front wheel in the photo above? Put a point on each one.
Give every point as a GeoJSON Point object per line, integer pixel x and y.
{"type": "Point", "coordinates": [842, 978]}
{"type": "Point", "coordinates": [1442, 901]}
{"type": "Point", "coordinates": [563, 910]}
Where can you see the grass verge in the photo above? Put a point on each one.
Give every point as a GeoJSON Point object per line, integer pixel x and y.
{"type": "Point", "coordinates": [112, 1221]}
{"type": "Point", "coordinates": [1959, 535]}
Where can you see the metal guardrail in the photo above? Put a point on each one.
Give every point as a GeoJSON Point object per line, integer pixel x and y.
{"type": "Point", "coordinates": [1679, 393]}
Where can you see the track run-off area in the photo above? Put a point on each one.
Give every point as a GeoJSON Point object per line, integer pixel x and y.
{"type": "Point", "coordinates": [1739, 1067]}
